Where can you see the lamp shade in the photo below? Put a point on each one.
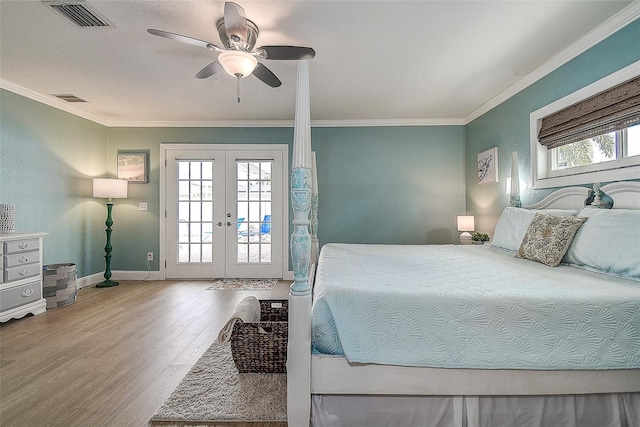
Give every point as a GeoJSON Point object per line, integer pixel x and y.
{"type": "Point", "coordinates": [110, 188]}
{"type": "Point", "coordinates": [237, 63]}
{"type": "Point", "coordinates": [466, 223]}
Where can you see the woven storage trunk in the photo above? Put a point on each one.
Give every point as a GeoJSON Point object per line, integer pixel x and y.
{"type": "Point", "coordinates": [262, 346]}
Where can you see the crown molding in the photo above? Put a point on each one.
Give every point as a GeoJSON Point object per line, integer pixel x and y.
{"type": "Point", "coordinates": [606, 29]}
{"type": "Point", "coordinates": [51, 102]}
{"type": "Point", "coordinates": [289, 123]}
{"type": "Point", "coordinates": [202, 124]}
{"type": "Point", "coordinates": [387, 122]}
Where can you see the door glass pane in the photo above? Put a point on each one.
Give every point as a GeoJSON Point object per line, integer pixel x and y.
{"type": "Point", "coordinates": [183, 170]}
{"type": "Point", "coordinates": [196, 190]}
{"type": "Point", "coordinates": [253, 205]}
{"type": "Point", "coordinates": [207, 190]}
{"type": "Point", "coordinates": [195, 216]}
{"type": "Point", "coordinates": [207, 171]}
{"type": "Point", "coordinates": [207, 212]}
{"type": "Point", "coordinates": [183, 212]}
{"type": "Point", "coordinates": [207, 253]}
{"type": "Point", "coordinates": [183, 190]}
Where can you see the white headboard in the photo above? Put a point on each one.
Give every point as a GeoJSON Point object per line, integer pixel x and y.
{"type": "Point", "coordinates": [625, 195]}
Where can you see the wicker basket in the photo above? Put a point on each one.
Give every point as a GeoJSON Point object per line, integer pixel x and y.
{"type": "Point", "coordinates": [262, 346]}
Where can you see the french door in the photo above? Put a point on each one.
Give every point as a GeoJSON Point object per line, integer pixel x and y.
{"type": "Point", "coordinates": [224, 211]}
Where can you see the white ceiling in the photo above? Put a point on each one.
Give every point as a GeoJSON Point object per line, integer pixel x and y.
{"type": "Point", "coordinates": [376, 61]}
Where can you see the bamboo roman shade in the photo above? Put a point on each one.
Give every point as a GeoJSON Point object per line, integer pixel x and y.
{"type": "Point", "coordinates": [613, 109]}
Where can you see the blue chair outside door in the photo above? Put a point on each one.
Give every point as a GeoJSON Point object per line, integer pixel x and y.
{"type": "Point", "coordinates": [265, 227]}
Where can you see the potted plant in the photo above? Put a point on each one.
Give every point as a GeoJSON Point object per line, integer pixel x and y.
{"type": "Point", "coordinates": [479, 238]}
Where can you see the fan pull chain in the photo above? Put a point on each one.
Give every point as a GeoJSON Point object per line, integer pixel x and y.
{"type": "Point", "coordinates": [238, 76]}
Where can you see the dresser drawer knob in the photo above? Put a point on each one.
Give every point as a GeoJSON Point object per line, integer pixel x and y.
{"type": "Point", "coordinates": [27, 292]}
{"type": "Point", "coordinates": [23, 245]}
{"type": "Point", "coordinates": [23, 260]}
{"type": "Point", "coordinates": [23, 272]}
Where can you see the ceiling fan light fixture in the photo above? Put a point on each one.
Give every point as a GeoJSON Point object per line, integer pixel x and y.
{"type": "Point", "coordinates": [237, 63]}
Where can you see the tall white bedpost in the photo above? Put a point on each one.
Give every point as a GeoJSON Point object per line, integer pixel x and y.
{"type": "Point", "coordinates": [315, 246]}
{"type": "Point", "coordinates": [299, 346]}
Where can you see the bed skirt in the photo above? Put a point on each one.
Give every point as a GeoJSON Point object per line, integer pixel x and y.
{"type": "Point", "coordinates": [595, 410]}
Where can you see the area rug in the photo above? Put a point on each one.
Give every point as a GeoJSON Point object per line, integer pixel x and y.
{"type": "Point", "coordinates": [243, 284]}
{"type": "Point", "coordinates": [213, 390]}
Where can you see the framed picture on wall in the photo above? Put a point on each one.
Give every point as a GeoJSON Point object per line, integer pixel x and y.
{"type": "Point", "coordinates": [488, 166]}
{"type": "Point", "coordinates": [133, 166]}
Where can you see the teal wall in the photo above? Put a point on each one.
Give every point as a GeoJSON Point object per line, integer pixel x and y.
{"type": "Point", "coordinates": [392, 185]}
{"type": "Point", "coordinates": [378, 185]}
{"type": "Point", "coordinates": [417, 173]}
{"type": "Point", "coordinates": [47, 160]}
{"type": "Point", "coordinates": [507, 125]}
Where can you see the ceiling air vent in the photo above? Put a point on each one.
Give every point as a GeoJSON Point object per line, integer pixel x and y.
{"type": "Point", "coordinates": [79, 12]}
{"type": "Point", "coordinates": [68, 98]}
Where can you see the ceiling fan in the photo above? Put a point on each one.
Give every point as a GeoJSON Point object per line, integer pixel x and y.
{"type": "Point", "coordinates": [238, 57]}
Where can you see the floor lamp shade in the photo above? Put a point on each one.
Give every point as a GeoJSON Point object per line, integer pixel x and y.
{"type": "Point", "coordinates": [109, 189]}
{"type": "Point", "coordinates": [466, 223]}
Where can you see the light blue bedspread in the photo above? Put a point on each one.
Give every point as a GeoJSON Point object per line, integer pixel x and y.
{"type": "Point", "coordinates": [470, 307]}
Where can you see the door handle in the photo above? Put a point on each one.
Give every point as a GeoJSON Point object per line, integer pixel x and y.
{"type": "Point", "coordinates": [219, 224]}
{"type": "Point", "coordinates": [229, 223]}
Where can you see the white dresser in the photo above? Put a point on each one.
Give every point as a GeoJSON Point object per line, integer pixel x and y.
{"type": "Point", "coordinates": [21, 278]}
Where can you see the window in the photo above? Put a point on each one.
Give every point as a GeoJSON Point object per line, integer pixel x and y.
{"type": "Point", "coordinates": [576, 141]}
{"type": "Point", "coordinates": [587, 154]}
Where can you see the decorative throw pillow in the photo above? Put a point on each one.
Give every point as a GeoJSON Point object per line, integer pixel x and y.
{"type": "Point", "coordinates": [513, 223]}
{"type": "Point", "coordinates": [548, 238]}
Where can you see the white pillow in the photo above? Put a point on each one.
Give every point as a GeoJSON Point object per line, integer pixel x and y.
{"type": "Point", "coordinates": [609, 242]}
{"type": "Point", "coordinates": [513, 224]}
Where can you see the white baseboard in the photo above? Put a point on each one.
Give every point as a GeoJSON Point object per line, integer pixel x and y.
{"type": "Point", "coordinates": [136, 275]}
{"type": "Point", "coordinates": [83, 282]}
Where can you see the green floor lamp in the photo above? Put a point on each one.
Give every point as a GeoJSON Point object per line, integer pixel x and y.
{"type": "Point", "coordinates": [109, 189]}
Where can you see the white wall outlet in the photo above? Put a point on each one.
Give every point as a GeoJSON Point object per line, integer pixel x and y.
{"type": "Point", "coordinates": [149, 256]}
{"type": "Point", "coordinates": [143, 206]}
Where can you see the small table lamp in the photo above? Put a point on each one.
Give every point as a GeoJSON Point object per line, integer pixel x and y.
{"type": "Point", "coordinates": [465, 224]}
{"type": "Point", "coordinates": [109, 189]}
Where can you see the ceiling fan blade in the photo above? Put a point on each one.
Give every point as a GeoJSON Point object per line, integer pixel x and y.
{"type": "Point", "coordinates": [210, 70]}
{"type": "Point", "coordinates": [235, 22]}
{"type": "Point", "coordinates": [183, 39]}
{"type": "Point", "coordinates": [286, 52]}
{"type": "Point", "coordinates": [265, 74]}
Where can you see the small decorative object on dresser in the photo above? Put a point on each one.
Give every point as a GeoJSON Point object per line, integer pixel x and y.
{"type": "Point", "coordinates": [21, 279]}
{"type": "Point", "coordinates": [7, 218]}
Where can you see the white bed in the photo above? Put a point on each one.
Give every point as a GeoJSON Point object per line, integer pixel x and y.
{"type": "Point", "coordinates": [548, 395]}
{"type": "Point", "coordinates": [350, 394]}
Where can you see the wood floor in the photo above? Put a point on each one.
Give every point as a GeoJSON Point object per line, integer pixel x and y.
{"type": "Point", "coordinates": [114, 356]}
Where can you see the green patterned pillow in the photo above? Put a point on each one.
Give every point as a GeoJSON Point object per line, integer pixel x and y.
{"type": "Point", "coordinates": [548, 238]}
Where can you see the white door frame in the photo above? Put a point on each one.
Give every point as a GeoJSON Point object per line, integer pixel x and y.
{"type": "Point", "coordinates": [284, 148]}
